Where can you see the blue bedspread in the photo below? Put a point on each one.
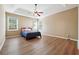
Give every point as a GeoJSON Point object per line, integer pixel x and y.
{"type": "Point", "coordinates": [24, 34]}
{"type": "Point", "coordinates": [30, 34]}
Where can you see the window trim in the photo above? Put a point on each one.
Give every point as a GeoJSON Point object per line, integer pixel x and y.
{"type": "Point", "coordinates": [8, 18]}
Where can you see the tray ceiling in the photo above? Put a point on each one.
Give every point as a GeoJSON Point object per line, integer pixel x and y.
{"type": "Point", "coordinates": [27, 9]}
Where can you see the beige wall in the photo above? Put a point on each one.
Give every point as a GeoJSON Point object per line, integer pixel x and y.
{"type": "Point", "coordinates": [2, 26]}
{"type": "Point", "coordinates": [62, 24]}
{"type": "Point", "coordinates": [78, 27]}
{"type": "Point", "coordinates": [23, 21]}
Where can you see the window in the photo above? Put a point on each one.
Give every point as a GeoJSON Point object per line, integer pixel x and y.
{"type": "Point", "coordinates": [40, 25]}
{"type": "Point", "coordinates": [12, 23]}
{"type": "Point", "coordinates": [37, 25]}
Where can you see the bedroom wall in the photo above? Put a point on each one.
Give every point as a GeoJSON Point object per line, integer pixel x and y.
{"type": "Point", "coordinates": [2, 26]}
{"type": "Point", "coordinates": [78, 27]}
{"type": "Point", "coordinates": [23, 21]}
{"type": "Point", "coordinates": [62, 24]}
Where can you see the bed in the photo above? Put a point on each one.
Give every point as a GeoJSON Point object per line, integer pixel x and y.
{"type": "Point", "coordinates": [29, 34]}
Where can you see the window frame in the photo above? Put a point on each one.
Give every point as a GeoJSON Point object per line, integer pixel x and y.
{"type": "Point", "coordinates": [8, 23]}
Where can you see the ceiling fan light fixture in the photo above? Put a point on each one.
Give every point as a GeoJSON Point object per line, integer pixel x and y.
{"type": "Point", "coordinates": [36, 12]}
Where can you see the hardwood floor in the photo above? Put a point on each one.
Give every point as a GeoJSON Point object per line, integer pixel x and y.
{"type": "Point", "coordinates": [45, 46]}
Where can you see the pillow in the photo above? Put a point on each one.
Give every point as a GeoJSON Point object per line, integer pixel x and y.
{"type": "Point", "coordinates": [27, 30]}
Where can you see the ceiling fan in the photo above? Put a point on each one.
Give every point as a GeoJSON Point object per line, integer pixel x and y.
{"type": "Point", "coordinates": [37, 12]}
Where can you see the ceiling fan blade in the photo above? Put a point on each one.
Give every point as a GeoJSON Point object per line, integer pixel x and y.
{"type": "Point", "coordinates": [38, 14]}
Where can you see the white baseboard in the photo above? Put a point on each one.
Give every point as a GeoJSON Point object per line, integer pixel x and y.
{"type": "Point", "coordinates": [59, 37]}
{"type": "Point", "coordinates": [1, 44]}
{"type": "Point", "coordinates": [78, 44]}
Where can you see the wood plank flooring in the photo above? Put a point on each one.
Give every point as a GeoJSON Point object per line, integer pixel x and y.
{"type": "Point", "coordinates": [44, 46]}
